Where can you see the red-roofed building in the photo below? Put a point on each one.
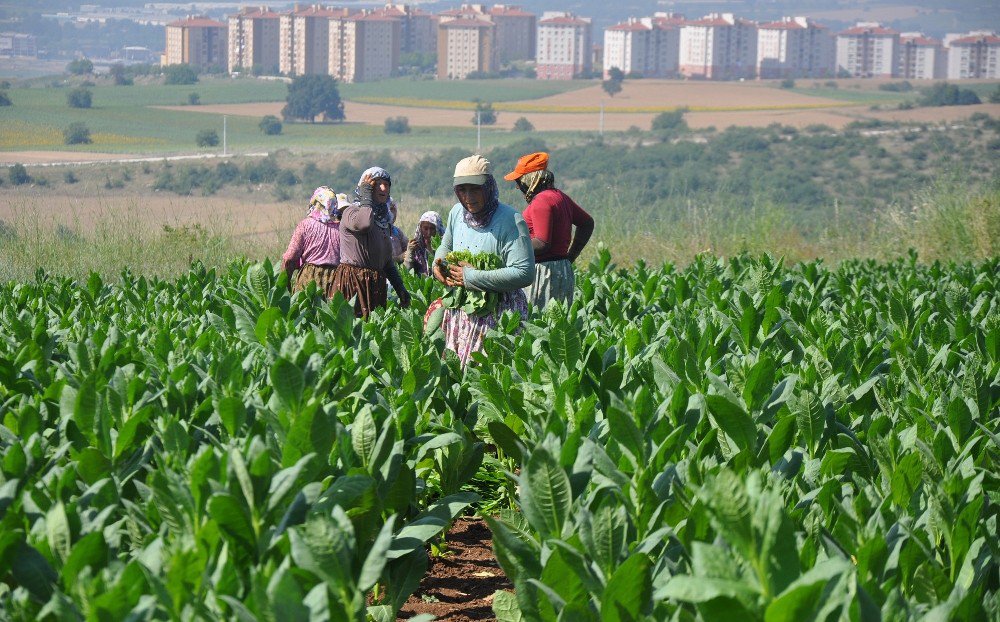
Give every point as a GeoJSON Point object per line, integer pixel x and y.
{"type": "Point", "coordinates": [718, 47]}
{"type": "Point", "coordinates": [255, 40]}
{"type": "Point", "coordinates": [196, 41]}
{"type": "Point", "coordinates": [418, 29]}
{"type": "Point", "coordinates": [466, 44]}
{"type": "Point", "coordinates": [868, 50]}
{"type": "Point", "coordinates": [976, 55]}
{"type": "Point", "coordinates": [515, 28]}
{"type": "Point", "coordinates": [564, 46]}
{"type": "Point", "coordinates": [794, 47]}
{"type": "Point", "coordinates": [648, 46]}
{"type": "Point", "coordinates": [364, 47]}
{"type": "Point", "coordinates": [921, 58]}
{"type": "Point", "coordinates": [305, 39]}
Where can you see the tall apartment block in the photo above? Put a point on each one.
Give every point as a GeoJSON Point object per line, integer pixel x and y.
{"type": "Point", "coordinates": [255, 40]}
{"type": "Point", "coordinates": [868, 50]}
{"type": "Point", "coordinates": [648, 46]}
{"type": "Point", "coordinates": [794, 47]}
{"type": "Point", "coordinates": [976, 55]}
{"type": "Point", "coordinates": [718, 47]}
{"type": "Point", "coordinates": [364, 47]}
{"type": "Point", "coordinates": [418, 29]}
{"type": "Point", "coordinates": [465, 45]}
{"type": "Point", "coordinates": [564, 46]}
{"type": "Point", "coordinates": [515, 31]}
{"type": "Point", "coordinates": [196, 41]}
{"type": "Point", "coordinates": [921, 58]}
{"type": "Point", "coordinates": [305, 40]}
{"type": "Point", "coordinates": [18, 44]}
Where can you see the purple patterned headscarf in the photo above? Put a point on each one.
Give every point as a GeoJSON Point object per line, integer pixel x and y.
{"type": "Point", "coordinates": [492, 195]}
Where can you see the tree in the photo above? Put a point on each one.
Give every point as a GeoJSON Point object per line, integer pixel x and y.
{"type": "Point", "coordinates": [311, 96]}
{"type": "Point", "coordinates": [397, 125]}
{"type": "Point", "coordinates": [611, 87]}
{"type": "Point", "coordinates": [79, 98]}
{"type": "Point", "coordinates": [18, 175]}
{"type": "Point", "coordinates": [485, 115]}
{"type": "Point", "coordinates": [77, 134]}
{"type": "Point", "coordinates": [944, 94]}
{"type": "Point", "coordinates": [207, 138]}
{"type": "Point", "coordinates": [616, 74]}
{"type": "Point", "coordinates": [194, 99]}
{"type": "Point", "coordinates": [523, 125]}
{"type": "Point", "coordinates": [270, 125]}
{"type": "Point", "coordinates": [179, 74]}
{"type": "Point", "coordinates": [80, 67]}
{"type": "Point", "coordinates": [117, 72]}
{"type": "Point", "coordinates": [671, 121]}
{"type": "Point", "coordinates": [788, 83]}
{"type": "Point", "coordinates": [5, 99]}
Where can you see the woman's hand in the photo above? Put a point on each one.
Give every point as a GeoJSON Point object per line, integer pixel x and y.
{"type": "Point", "coordinates": [438, 272]}
{"type": "Point", "coordinates": [367, 180]}
{"type": "Point", "coordinates": [456, 273]}
{"type": "Point", "coordinates": [412, 244]}
{"type": "Point", "coordinates": [404, 300]}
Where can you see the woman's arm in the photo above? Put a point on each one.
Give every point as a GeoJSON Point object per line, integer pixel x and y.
{"type": "Point", "coordinates": [518, 259]}
{"type": "Point", "coordinates": [358, 217]}
{"type": "Point", "coordinates": [392, 273]}
{"type": "Point", "coordinates": [444, 248]}
{"type": "Point", "coordinates": [292, 259]}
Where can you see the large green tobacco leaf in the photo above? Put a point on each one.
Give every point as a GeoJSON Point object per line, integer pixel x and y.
{"type": "Point", "coordinates": [545, 494]}
{"type": "Point", "coordinates": [629, 590]}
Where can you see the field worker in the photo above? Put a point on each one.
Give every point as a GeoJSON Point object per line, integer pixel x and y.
{"type": "Point", "coordinates": [479, 223]}
{"type": "Point", "coordinates": [314, 249]}
{"type": "Point", "coordinates": [420, 249]}
{"type": "Point", "coordinates": [399, 240]}
{"type": "Point", "coordinates": [366, 247]}
{"type": "Point", "coordinates": [551, 216]}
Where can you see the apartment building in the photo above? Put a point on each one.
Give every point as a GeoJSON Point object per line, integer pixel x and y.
{"type": "Point", "coordinates": [921, 57]}
{"type": "Point", "coordinates": [718, 47]}
{"type": "Point", "coordinates": [647, 46]}
{"type": "Point", "coordinates": [18, 44]}
{"type": "Point", "coordinates": [564, 45]}
{"type": "Point", "coordinates": [255, 40]}
{"type": "Point", "coordinates": [868, 50]}
{"type": "Point", "coordinates": [794, 47]}
{"type": "Point", "coordinates": [976, 55]}
{"type": "Point", "coordinates": [305, 40]}
{"type": "Point", "coordinates": [195, 41]}
{"type": "Point", "coordinates": [364, 47]}
{"type": "Point", "coordinates": [465, 45]}
{"type": "Point", "coordinates": [515, 29]}
{"type": "Point", "coordinates": [418, 29]}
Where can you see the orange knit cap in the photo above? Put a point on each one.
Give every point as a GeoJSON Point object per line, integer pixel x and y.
{"type": "Point", "coordinates": [526, 164]}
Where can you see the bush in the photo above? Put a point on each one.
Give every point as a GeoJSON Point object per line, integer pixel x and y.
{"type": "Point", "coordinates": [77, 134]}
{"type": "Point", "coordinates": [995, 95]}
{"type": "Point", "coordinates": [788, 83]}
{"type": "Point", "coordinates": [397, 125]}
{"type": "Point", "coordinates": [944, 94]}
{"type": "Point", "coordinates": [80, 67]}
{"type": "Point", "coordinates": [119, 75]}
{"type": "Point", "coordinates": [179, 74]}
{"type": "Point", "coordinates": [270, 125]}
{"type": "Point", "coordinates": [70, 177]}
{"type": "Point", "coordinates": [523, 125]}
{"type": "Point", "coordinates": [4, 99]}
{"type": "Point", "coordinates": [207, 138]}
{"type": "Point", "coordinates": [18, 175]}
{"type": "Point", "coordinates": [896, 87]}
{"type": "Point", "coordinates": [672, 121]}
{"type": "Point", "coordinates": [485, 115]}
{"type": "Point", "coordinates": [79, 98]}
{"type": "Point", "coordinates": [194, 99]}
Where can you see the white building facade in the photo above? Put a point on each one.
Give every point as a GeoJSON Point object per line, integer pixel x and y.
{"type": "Point", "coordinates": [868, 50]}
{"type": "Point", "coordinates": [794, 47]}
{"type": "Point", "coordinates": [564, 44]}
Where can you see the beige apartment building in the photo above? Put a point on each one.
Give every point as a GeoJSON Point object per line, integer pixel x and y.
{"type": "Point", "coordinates": [794, 47]}
{"type": "Point", "coordinates": [418, 29]}
{"type": "Point", "coordinates": [196, 41]}
{"type": "Point", "coordinates": [868, 50]}
{"type": "Point", "coordinates": [648, 46]}
{"type": "Point", "coordinates": [718, 47]}
{"type": "Point", "coordinates": [515, 29]}
{"type": "Point", "coordinates": [564, 45]}
{"type": "Point", "coordinates": [255, 40]}
{"type": "Point", "coordinates": [465, 45]}
{"type": "Point", "coordinates": [364, 47]}
{"type": "Point", "coordinates": [921, 57]}
{"type": "Point", "coordinates": [305, 40]}
{"type": "Point", "coordinates": [976, 55]}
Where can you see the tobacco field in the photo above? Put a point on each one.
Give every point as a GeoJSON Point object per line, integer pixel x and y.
{"type": "Point", "coordinates": [732, 440]}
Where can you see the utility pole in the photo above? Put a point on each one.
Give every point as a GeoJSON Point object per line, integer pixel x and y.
{"type": "Point", "coordinates": [223, 135]}
{"type": "Point", "coordinates": [602, 119]}
{"type": "Point", "coordinates": [479, 133]}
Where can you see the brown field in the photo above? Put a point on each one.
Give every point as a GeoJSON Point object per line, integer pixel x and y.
{"type": "Point", "coordinates": [675, 93]}
{"type": "Point", "coordinates": [45, 157]}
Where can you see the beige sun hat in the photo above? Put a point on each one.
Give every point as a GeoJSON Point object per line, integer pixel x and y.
{"type": "Point", "coordinates": [474, 170]}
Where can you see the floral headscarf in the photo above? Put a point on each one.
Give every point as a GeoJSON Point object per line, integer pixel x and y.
{"type": "Point", "coordinates": [534, 182]}
{"type": "Point", "coordinates": [492, 195]}
{"type": "Point", "coordinates": [380, 211]}
{"type": "Point", "coordinates": [420, 252]}
{"type": "Point", "coordinates": [323, 205]}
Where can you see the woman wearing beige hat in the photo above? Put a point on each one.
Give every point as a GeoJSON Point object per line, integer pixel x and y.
{"type": "Point", "coordinates": [479, 223]}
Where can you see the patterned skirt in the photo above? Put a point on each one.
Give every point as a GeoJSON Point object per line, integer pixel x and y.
{"type": "Point", "coordinates": [321, 275]}
{"type": "Point", "coordinates": [369, 286]}
{"type": "Point", "coordinates": [553, 281]}
{"type": "Point", "coordinates": [463, 333]}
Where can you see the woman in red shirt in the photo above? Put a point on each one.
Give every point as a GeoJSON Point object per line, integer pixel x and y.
{"type": "Point", "coordinates": [550, 216]}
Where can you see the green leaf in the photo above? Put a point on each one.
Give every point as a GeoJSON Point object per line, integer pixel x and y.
{"type": "Point", "coordinates": [363, 436]}
{"type": "Point", "coordinates": [518, 558]}
{"type": "Point", "coordinates": [57, 531]}
{"type": "Point", "coordinates": [564, 343]}
{"type": "Point", "coordinates": [33, 572]}
{"type": "Point", "coordinates": [505, 607]}
{"type": "Point", "coordinates": [288, 382]}
{"type": "Point", "coordinates": [800, 598]}
{"type": "Point", "coordinates": [265, 322]}
{"type": "Point", "coordinates": [733, 420]}
{"type": "Point", "coordinates": [625, 431]}
{"type": "Point", "coordinates": [545, 494]}
{"type": "Point", "coordinates": [629, 591]}
{"type": "Point", "coordinates": [285, 596]}
{"type": "Point", "coordinates": [505, 439]}
{"type": "Point", "coordinates": [234, 519]}
{"type": "Point", "coordinates": [906, 478]}
{"type": "Point", "coordinates": [703, 589]}
{"type": "Point", "coordinates": [780, 438]}
{"type": "Point", "coordinates": [233, 414]}
{"type": "Point", "coordinates": [375, 562]}
{"type": "Point", "coordinates": [90, 550]}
